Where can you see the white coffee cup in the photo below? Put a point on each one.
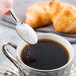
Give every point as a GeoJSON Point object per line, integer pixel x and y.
{"type": "Point", "coordinates": [25, 70]}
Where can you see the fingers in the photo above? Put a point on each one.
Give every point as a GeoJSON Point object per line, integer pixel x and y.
{"type": "Point", "coordinates": [5, 6]}
{"type": "Point", "coordinates": [8, 13]}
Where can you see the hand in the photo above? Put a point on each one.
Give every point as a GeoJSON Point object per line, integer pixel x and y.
{"type": "Point", "coordinates": [5, 6]}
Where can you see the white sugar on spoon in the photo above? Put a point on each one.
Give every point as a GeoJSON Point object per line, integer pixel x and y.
{"type": "Point", "coordinates": [25, 31]}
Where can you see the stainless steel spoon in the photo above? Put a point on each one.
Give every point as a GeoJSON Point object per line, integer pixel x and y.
{"type": "Point", "coordinates": [24, 30]}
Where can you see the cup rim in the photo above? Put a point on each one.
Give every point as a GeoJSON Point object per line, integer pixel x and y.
{"type": "Point", "coordinates": [39, 70]}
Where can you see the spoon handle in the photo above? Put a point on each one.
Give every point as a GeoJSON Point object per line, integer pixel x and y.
{"type": "Point", "coordinates": [14, 15]}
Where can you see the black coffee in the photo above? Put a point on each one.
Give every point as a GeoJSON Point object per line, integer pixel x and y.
{"type": "Point", "coordinates": [45, 55]}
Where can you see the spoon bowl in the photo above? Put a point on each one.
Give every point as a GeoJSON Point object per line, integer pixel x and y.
{"type": "Point", "coordinates": [26, 33]}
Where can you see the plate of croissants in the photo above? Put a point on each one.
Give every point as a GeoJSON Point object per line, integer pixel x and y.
{"type": "Point", "coordinates": [54, 16]}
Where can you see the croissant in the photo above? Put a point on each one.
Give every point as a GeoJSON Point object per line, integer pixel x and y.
{"type": "Point", "coordinates": [63, 16]}
{"type": "Point", "coordinates": [38, 15]}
